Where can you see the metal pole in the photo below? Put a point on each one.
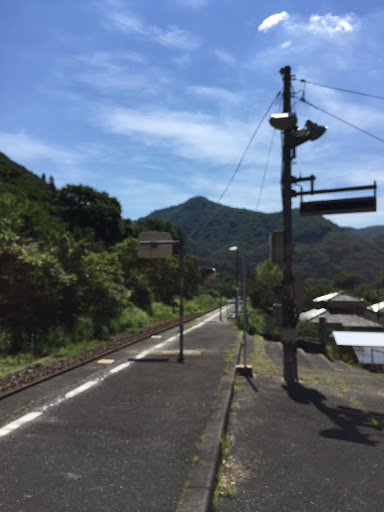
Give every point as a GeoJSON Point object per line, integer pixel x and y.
{"type": "Point", "coordinates": [237, 285]}
{"type": "Point", "coordinates": [288, 330]}
{"type": "Point", "coordinates": [244, 312]}
{"type": "Point", "coordinates": [181, 276]}
{"type": "Point", "coordinates": [221, 299]}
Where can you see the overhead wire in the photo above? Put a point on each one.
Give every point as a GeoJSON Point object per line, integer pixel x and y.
{"type": "Point", "coordinates": [208, 216]}
{"type": "Point", "coordinates": [265, 170]}
{"type": "Point", "coordinates": [343, 120]}
{"type": "Point", "coordinates": [343, 90]}
{"type": "Point", "coordinates": [248, 146]}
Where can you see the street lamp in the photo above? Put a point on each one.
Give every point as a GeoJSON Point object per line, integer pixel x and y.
{"type": "Point", "coordinates": [235, 248]}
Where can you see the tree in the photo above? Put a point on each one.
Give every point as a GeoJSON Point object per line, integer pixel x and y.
{"type": "Point", "coordinates": [86, 208]}
{"type": "Point", "coordinates": [345, 280]}
{"type": "Point", "coordinates": [261, 289]}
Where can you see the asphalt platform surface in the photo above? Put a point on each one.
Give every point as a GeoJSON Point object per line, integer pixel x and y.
{"type": "Point", "coordinates": [145, 437]}
{"type": "Point", "coordinates": [317, 446]}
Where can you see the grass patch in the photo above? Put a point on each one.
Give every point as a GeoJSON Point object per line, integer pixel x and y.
{"type": "Point", "coordinates": [61, 345]}
{"type": "Point", "coordinates": [17, 411]}
{"type": "Point", "coordinates": [261, 364]}
{"type": "Point", "coordinates": [224, 444]}
{"type": "Point", "coordinates": [17, 363]}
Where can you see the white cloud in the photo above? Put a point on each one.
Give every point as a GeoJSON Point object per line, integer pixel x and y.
{"type": "Point", "coordinates": [108, 59]}
{"type": "Point", "coordinates": [195, 4]}
{"type": "Point", "coordinates": [27, 147]}
{"type": "Point", "coordinates": [192, 136]}
{"type": "Point", "coordinates": [273, 20]}
{"type": "Point", "coordinates": [215, 93]}
{"type": "Point", "coordinates": [287, 44]}
{"type": "Point", "coordinates": [116, 72]}
{"type": "Point", "coordinates": [224, 56]}
{"type": "Point", "coordinates": [64, 164]}
{"type": "Point", "coordinates": [170, 37]}
{"type": "Point", "coordinates": [330, 24]}
{"type": "Point", "coordinates": [153, 195]}
{"type": "Point", "coordinates": [183, 61]}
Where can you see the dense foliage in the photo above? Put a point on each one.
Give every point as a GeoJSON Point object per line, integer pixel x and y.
{"type": "Point", "coordinates": [69, 265]}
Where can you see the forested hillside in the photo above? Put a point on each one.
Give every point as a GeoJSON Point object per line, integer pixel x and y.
{"type": "Point", "coordinates": [69, 266]}
{"type": "Point", "coordinates": [322, 249]}
{"type": "Point", "coordinates": [70, 271]}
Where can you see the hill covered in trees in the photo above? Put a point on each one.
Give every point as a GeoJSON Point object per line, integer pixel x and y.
{"type": "Point", "coordinates": [69, 265]}
{"type": "Point", "coordinates": [70, 271]}
{"type": "Point", "coordinates": [322, 249]}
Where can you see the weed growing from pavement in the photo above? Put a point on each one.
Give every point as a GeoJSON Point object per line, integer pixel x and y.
{"type": "Point", "coordinates": [346, 390]}
{"type": "Point", "coordinates": [224, 444]}
{"type": "Point", "coordinates": [229, 355]}
{"type": "Point", "coordinates": [264, 366]}
{"type": "Point", "coordinates": [195, 459]}
{"type": "Point", "coordinates": [16, 411]}
{"type": "Point", "coordinates": [261, 364]}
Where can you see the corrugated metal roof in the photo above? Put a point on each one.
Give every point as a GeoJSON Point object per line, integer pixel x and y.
{"type": "Point", "coordinates": [325, 298]}
{"type": "Point", "coordinates": [311, 314]}
{"type": "Point", "coordinates": [379, 306]}
{"type": "Point", "coordinates": [359, 338]}
{"type": "Point", "coordinates": [338, 297]}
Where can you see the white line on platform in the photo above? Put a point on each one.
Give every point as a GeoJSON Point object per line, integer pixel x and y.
{"type": "Point", "coordinates": [143, 354]}
{"type": "Point", "coordinates": [18, 423]}
{"type": "Point", "coordinates": [120, 367]}
{"type": "Point", "coordinates": [14, 425]}
{"type": "Point", "coordinates": [80, 389]}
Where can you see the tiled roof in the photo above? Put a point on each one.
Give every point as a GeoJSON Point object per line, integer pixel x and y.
{"type": "Point", "coordinates": [349, 320]}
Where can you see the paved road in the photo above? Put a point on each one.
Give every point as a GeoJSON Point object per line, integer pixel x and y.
{"type": "Point", "coordinates": [316, 447]}
{"type": "Point", "coordinates": [128, 442]}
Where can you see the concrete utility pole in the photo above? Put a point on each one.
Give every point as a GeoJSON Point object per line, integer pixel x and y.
{"type": "Point", "coordinates": [293, 137]}
{"type": "Point", "coordinates": [288, 329]}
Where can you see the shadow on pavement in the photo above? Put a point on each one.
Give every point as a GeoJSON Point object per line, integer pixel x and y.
{"type": "Point", "coordinates": [347, 419]}
{"type": "Point", "coordinates": [252, 384]}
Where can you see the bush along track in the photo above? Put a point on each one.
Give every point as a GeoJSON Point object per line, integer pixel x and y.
{"type": "Point", "coordinates": [35, 374]}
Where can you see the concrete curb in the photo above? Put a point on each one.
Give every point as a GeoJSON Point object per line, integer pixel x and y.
{"type": "Point", "coordinates": [202, 478]}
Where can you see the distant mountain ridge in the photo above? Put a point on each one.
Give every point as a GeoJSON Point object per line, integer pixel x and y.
{"type": "Point", "coordinates": [322, 248]}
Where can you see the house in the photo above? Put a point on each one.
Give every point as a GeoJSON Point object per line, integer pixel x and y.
{"type": "Point", "coordinates": [366, 348]}
{"type": "Point", "coordinates": [341, 310]}
{"type": "Point", "coordinates": [376, 311]}
{"type": "Point", "coordinates": [340, 302]}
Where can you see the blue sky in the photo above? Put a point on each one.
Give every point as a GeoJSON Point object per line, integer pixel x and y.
{"type": "Point", "coordinates": [155, 101]}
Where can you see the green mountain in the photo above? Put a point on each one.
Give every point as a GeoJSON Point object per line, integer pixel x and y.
{"type": "Point", "coordinates": [322, 249]}
{"type": "Point", "coordinates": [16, 179]}
{"type": "Point", "coordinates": [372, 233]}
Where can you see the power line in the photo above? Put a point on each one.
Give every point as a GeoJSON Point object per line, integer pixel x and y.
{"type": "Point", "coordinates": [265, 170]}
{"type": "Point", "coordinates": [343, 90]}
{"type": "Point", "coordinates": [248, 146]}
{"type": "Point", "coordinates": [208, 216]}
{"type": "Point", "coordinates": [342, 120]}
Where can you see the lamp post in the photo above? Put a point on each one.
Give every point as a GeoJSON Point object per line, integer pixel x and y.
{"type": "Point", "coordinates": [235, 248]}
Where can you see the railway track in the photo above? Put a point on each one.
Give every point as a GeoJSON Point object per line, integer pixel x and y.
{"type": "Point", "coordinates": [35, 374]}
